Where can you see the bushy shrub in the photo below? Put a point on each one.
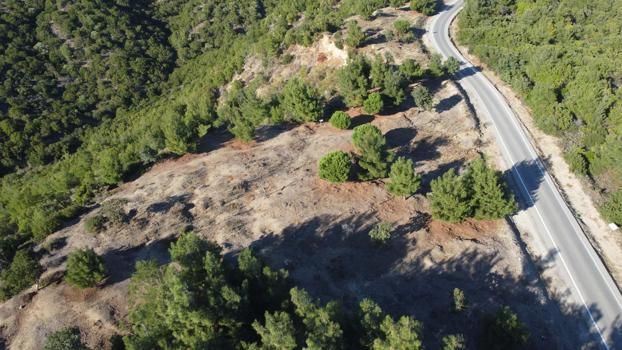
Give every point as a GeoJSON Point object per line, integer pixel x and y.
{"type": "Point", "coordinates": [85, 269]}
{"type": "Point", "coordinates": [340, 120]}
{"type": "Point", "coordinates": [355, 36]}
{"type": "Point", "coordinates": [404, 181]}
{"type": "Point", "coordinates": [427, 7]}
{"type": "Point", "coordinates": [576, 161]}
{"type": "Point", "coordinates": [374, 158]}
{"type": "Point", "coordinates": [302, 102]}
{"type": "Point", "coordinates": [422, 97]}
{"type": "Point", "coordinates": [453, 342]}
{"type": "Point", "coordinates": [451, 66]}
{"type": "Point", "coordinates": [20, 274]}
{"type": "Point", "coordinates": [381, 232]}
{"type": "Point", "coordinates": [449, 198]}
{"type": "Point", "coordinates": [373, 104]}
{"type": "Point", "coordinates": [94, 224]}
{"type": "Point", "coordinates": [435, 66]}
{"type": "Point", "coordinates": [612, 208]}
{"type": "Point", "coordinates": [335, 167]}
{"type": "Point", "coordinates": [65, 339]}
{"type": "Point", "coordinates": [411, 69]}
{"type": "Point", "coordinates": [460, 302]}
{"type": "Point", "coordinates": [504, 331]}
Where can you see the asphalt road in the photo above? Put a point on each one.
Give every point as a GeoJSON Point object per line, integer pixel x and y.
{"type": "Point", "coordinates": [559, 233]}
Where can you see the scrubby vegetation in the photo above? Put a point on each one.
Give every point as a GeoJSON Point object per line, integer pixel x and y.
{"type": "Point", "coordinates": [85, 269]}
{"type": "Point", "coordinates": [20, 274]}
{"type": "Point", "coordinates": [381, 232]}
{"type": "Point", "coordinates": [404, 181]}
{"type": "Point", "coordinates": [335, 167]}
{"type": "Point", "coordinates": [201, 300]}
{"type": "Point", "coordinates": [478, 193]}
{"type": "Point", "coordinates": [374, 158]}
{"type": "Point", "coordinates": [96, 92]}
{"type": "Point", "coordinates": [564, 58]}
{"type": "Point", "coordinates": [65, 339]}
{"type": "Point", "coordinates": [341, 120]}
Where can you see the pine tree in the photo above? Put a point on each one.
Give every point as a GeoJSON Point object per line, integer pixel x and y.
{"type": "Point", "coordinates": [335, 167]}
{"type": "Point", "coordinates": [278, 332]}
{"type": "Point", "coordinates": [374, 158]}
{"type": "Point", "coordinates": [404, 181]}
{"type": "Point", "coordinates": [355, 36]}
{"type": "Point", "coordinates": [453, 342]}
{"type": "Point", "coordinates": [489, 197]}
{"type": "Point", "coordinates": [322, 330]}
{"type": "Point", "coordinates": [85, 269]}
{"type": "Point", "coordinates": [404, 334]}
{"type": "Point", "coordinates": [373, 104]}
{"type": "Point", "coordinates": [449, 198]}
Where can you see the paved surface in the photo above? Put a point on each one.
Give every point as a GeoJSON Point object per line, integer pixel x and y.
{"type": "Point", "coordinates": [572, 257]}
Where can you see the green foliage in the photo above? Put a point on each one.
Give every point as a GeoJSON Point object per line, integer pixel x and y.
{"type": "Point", "coordinates": [451, 65]}
{"type": "Point", "coordinates": [242, 111]}
{"type": "Point", "coordinates": [449, 198]}
{"type": "Point", "coordinates": [405, 334]}
{"type": "Point", "coordinates": [427, 7]}
{"type": "Point", "coordinates": [374, 158]}
{"type": "Point", "coordinates": [422, 97]}
{"type": "Point", "coordinates": [85, 269]}
{"type": "Point", "coordinates": [335, 167]}
{"type": "Point", "coordinates": [404, 181]}
{"type": "Point", "coordinates": [411, 69]}
{"type": "Point", "coordinates": [20, 274]}
{"type": "Point", "coordinates": [355, 36]}
{"type": "Point", "coordinates": [403, 31]}
{"type": "Point", "coordinates": [459, 301]}
{"type": "Point", "coordinates": [278, 332]}
{"type": "Point", "coordinates": [65, 339]}
{"type": "Point", "coordinates": [94, 224]}
{"type": "Point", "coordinates": [68, 67]}
{"type": "Point", "coordinates": [301, 102]}
{"type": "Point", "coordinates": [577, 161]}
{"type": "Point", "coordinates": [453, 342]}
{"type": "Point", "coordinates": [435, 66]}
{"type": "Point", "coordinates": [322, 331]}
{"type": "Point", "coordinates": [489, 197]}
{"type": "Point", "coordinates": [373, 104]}
{"type": "Point", "coordinates": [341, 120]}
{"type": "Point", "coordinates": [479, 193]}
{"type": "Point", "coordinates": [381, 232]}
{"type": "Point", "coordinates": [562, 60]}
{"type": "Point", "coordinates": [612, 208]}
{"type": "Point", "coordinates": [353, 80]}
{"type": "Point", "coordinates": [504, 331]}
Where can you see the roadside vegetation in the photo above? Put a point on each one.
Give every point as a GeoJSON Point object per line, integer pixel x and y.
{"type": "Point", "coordinates": [564, 59]}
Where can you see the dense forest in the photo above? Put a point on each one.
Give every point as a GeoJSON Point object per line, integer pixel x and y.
{"type": "Point", "coordinates": [564, 58]}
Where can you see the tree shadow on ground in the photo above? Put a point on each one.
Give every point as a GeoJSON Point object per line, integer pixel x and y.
{"type": "Point", "coordinates": [525, 178]}
{"type": "Point", "coordinates": [400, 137]}
{"type": "Point", "coordinates": [448, 103]}
{"type": "Point", "coordinates": [361, 119]}
{"type": "Point", "coordinates": [267, 132]}
{"type": "Point", "coordinates": [213, 140]}
{"type": "Point", "coordinates": [333, 258]}
{"type": "Point", "coordinates": [121, 264]}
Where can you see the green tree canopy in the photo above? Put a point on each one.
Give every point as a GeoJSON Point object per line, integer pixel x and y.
{"type": "Point", "coordinates": [404, 181]}
{"type": "Point", "coordinates": [335, 167]}
{"type": "Point", "coordinates": [449, 198]}
{"type": "Point", "coordinates": [85, 269]}
{"type": "Point", "coordinates": [302, 102]}
{"type": "Point", "coordinates": [340, 120]}
{"type": "Point", "coordinates": [489, 195]}
{"type": "Point", "coordinates": [374, 158]}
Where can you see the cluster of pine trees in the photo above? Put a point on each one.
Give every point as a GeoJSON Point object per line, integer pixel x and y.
{"type": "Point", "coordinates": [564, 58]}
{"type": "Point", "coordinates": [202, 301]}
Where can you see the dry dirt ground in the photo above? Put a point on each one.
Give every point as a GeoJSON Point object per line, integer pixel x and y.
{"type": "Point", "coordinates": [267, 195]}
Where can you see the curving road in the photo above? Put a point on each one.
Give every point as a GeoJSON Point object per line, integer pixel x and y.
{"type": "Point", "coordinates": [558, 232]}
